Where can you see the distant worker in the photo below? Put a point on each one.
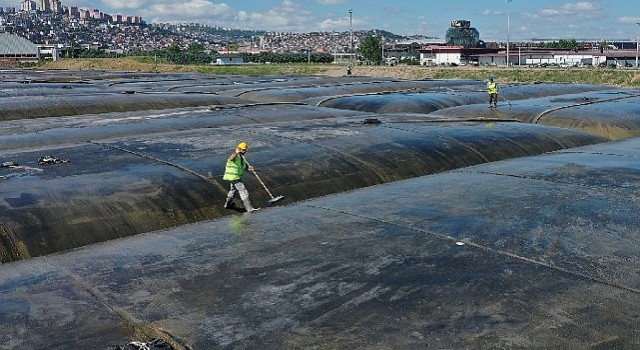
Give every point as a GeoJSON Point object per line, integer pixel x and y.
{"type": "Point", "coordinates": [236, 167]}
{"type": "Point", "coordinates": [348, 71]}
{"type": "Point", "coordinates": [492, 89]}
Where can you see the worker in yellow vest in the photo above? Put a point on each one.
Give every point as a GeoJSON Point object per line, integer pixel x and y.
{"type": "Point", "coordinates": [236, 167]}
{"type": "Point", "coordinates": [492, 89]}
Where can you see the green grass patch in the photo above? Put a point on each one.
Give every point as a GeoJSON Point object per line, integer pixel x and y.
{"type": "Point", "coordinates": [596, 76]}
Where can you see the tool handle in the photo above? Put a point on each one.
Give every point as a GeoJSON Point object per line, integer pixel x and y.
{"type": "Point", "coordinates": [262, 183]}
{"type": "Point", "coordinates": [504, 98]}
{"type": "Point", "coordinates": [259, 179]}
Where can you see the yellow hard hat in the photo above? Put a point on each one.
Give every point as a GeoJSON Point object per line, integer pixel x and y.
{"type": "Point", "coordinates": [243, 146]}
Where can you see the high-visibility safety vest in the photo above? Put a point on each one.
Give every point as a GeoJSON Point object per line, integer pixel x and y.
{"type": "Point", "coordinates": [492, 87]}
{"type": "Point", "coordinates": [235, 169]}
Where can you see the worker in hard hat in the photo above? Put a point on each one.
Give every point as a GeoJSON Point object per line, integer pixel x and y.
{"type": "Point", "coordinates": [492, 89]}
{"type": "Point", "coordinates": [236, 167]}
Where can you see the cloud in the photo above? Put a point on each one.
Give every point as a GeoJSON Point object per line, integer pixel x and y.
{"type": "Point", "coordinates": [331, 24]}
{"type": "Point", "coordinates": [489, 12]}
{"type": "Point", "coordinates": [185, 10]}
{"type": "Point", "coordinates": [528, 15]}
{"type": "Point", "coordinates": [569, 20]}
{"type": "Point", "coordinates": [628, 20]}
{"type": "Point", "coordinates": [264, 20]}
{"type": "Point", "coordinates": [586, 9]}
{"type": "Point", "coordinates": [341, 24]}
{"type": "Point", "coordinates": [286, 17]}
{"type": "Point", "coordinates": [124, 4]}
{"type": "Point", "coordinates": [332, 2]}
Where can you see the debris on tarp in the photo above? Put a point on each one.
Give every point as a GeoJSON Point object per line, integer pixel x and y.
{"type": "Point", "coordinates": [154, 344]}
{"type": "Point", "coordinates": [51, 160]}
{"type": "Point", "coordinates": [15, 166]}
{"type": "Point", "coordinates": [372, 121]}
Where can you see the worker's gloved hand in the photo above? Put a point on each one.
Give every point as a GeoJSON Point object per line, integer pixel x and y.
{"type": "Point", "coordinates": [250, 168]}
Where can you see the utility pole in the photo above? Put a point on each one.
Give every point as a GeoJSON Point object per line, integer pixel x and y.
{"type": "Point", "coordinates": [519, 55]}
{"type": "Point", "coordinates": [508, 28]}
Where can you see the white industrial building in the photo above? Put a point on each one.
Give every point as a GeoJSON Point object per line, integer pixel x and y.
{"type": "Point", "coordinates": [565, 58]}
{"type": "Point", "coordinates": [229, 59]}
{"type": "Point", "coordinates": [443, 55]}
{"type": "Point", "coordinates": [14, 48]}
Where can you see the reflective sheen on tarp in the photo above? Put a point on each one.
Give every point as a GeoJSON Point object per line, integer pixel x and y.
{"type": "Point", "coordinates": [414, 216]}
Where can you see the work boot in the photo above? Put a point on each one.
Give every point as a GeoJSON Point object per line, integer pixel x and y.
{"type": "Point", "coordinates": [228, 204]}
{"type": "Point", "coordinates": [249, 207]}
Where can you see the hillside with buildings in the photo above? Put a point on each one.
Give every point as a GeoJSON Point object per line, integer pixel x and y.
{"type": "Point", "coordinates": [50, 22]}
{"type": "Point", "coordinates": [60, 31]}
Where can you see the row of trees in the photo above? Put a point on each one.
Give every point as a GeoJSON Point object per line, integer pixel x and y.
{"type": "Point", "coordinates": [572, 44]}
{"type": "Point", "coordinates": [370, 51]}
{"type": "Point", "coordinates": [287, 57]}
{"type": "Point", "coordinates": [195, 54]}
{"type": "Point", "coordinates": [562, 44]}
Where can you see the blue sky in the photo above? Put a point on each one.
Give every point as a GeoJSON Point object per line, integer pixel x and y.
{"type": "Point", "coordinates": [556, 19]}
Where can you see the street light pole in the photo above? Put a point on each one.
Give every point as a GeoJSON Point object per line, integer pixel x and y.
{"type": "Point", "coordinates": [382, 62]}
{"type": "Point", "coordinates": [155, 55]}
{"type": "Point", "coordinates": [637, 44]}
{"type": "Point", "coordinates": [508, 28]}
{"type": "Point", "coordinates": [351, 31]}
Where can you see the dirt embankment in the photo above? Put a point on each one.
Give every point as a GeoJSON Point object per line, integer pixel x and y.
{"type": "Point", "coordinates": [118, 65]}
{"type": "Point", "coordinates": [400, 72]}
{"type": "Point", "coordinates": [130, 65]}
{"type": "Point", "coordinates": [600, 76]}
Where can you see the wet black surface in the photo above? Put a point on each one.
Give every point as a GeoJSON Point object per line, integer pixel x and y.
{"type": "Point", "coordinates": [490, 256]}
{"type": "Point", "coordinates": [611, 114]}
{"type": "Point", "coordinates": [444, 224]}
{"type": "Point", "coordinates": [155, 174]}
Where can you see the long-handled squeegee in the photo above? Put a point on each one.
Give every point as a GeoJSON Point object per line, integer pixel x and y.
{"type": "Point", "coordinates": [273, 199]}
{"type": "Point", "coordinates": [509, 102]}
